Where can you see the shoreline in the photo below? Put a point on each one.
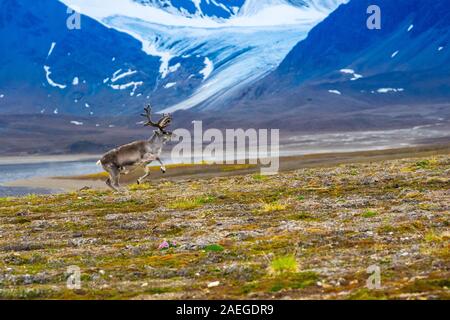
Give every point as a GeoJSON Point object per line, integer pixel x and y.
{"type": "Point", "coordinates": [287, 163]}
{"type": "Point", "coordinates": [31, 159]}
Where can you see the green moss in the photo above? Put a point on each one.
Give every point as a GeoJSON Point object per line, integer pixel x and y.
{"type": "Point", "coordinates": [432, 236]}
{"type": "Point", "coordinates": [173, 231]}
{"type": "Point", "coordinates": [237, 167]}
{"type": "Point", "coordinates": [426, 285]}
{"type": "Point", "coordinates": [26, 259]}
{"type": "Point", "coordinates": [24, 294]}
{"type": "Point", "coordinates": [425, 164]}
{"type": "Point", "coordinates": [299, 280]}
{"type": "Point", "coordinates": [302, 216]}
{"type": "Point", "coordinates": [260, 177]}
{"type": "Point", "coordinates": [248, 287]}
{"type": "Point", "coordinates": [369, 214]}
{"type": "Point", "coordinates": [214, 248]}
{"type": "Point", "coordinates": [22, 220]}
{"type": "Point", "coordinates": [140, 187]}
{"type": "Point", "coordinates": [156, 290]}
{"type": "Point", "coordinates": [191, 203]}
{"type": "Point", "coordinates": [366, 294]}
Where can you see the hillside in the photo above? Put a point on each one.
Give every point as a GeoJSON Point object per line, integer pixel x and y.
{"type": "Point", "coordinates": [348, 73]}
{"type": "Point", "coordinates": [127, 53]}
{"type": "Point", "coordinates": [310, 233]}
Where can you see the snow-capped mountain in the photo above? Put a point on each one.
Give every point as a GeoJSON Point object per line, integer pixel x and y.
{"type": "Point", "coordinates": [197, 8]}
{"type": "Point", "coordinates": [302, 65]}
{"type": "Point", "coordinates": [226, 9]}
{"type": "Point", "coordinates": [414, 38]}
{"type": "Point", "coordinates": [227, 52]}
{"type": "Point", "coordinates": [49, 69]}
{"type": "Point", "coordinates": [178, 54]}
{"type": "Point", "coordinates": [344, 72]}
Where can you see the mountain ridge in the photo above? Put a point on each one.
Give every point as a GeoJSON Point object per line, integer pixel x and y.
{"type": "Point", "coordinates": [407, 57]}
{"type": "Point", "coordinates": [116, 64]}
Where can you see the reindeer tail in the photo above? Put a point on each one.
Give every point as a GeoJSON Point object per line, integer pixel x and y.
{"type": "Point", "coordinates": [99, 163]}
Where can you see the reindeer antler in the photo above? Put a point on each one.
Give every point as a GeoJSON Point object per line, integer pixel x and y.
{"type": "Point", "coordinates": [163, 123]}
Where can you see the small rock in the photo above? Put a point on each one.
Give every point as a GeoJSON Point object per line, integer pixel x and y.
{"type": "Point", "coordinates": [77, 242]}
{"type": "Point", "coordinates": [112, 217]}
{"type": "Point", "coordinates": [213, 284]}
{"type": "Point", "coordinates": [135, 225]}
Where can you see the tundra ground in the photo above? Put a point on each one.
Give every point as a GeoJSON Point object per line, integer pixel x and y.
{"type": "Point", "coordinates": [310, 233]}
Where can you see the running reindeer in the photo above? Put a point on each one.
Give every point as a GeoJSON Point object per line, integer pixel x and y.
{"type": "Point", "coordinates": [139, 153]}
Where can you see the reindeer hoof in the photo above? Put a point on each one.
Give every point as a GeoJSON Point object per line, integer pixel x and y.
{"type": "Point", "coordinates": [138, 182]}
{"type": "Point", "coordinates": [163, 170]}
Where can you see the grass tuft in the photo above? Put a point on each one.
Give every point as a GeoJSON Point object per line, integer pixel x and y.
{"type": "Point", "coordinates": [273, 207]}
{"type": "Point", "coordinates": [286, 264]}
{"type": "Point", "coordinates": [191, 203]}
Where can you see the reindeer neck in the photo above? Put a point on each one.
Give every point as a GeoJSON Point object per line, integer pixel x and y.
{"type": "Point", "coordinates": [156, 141]}
{"type": "Point", "coordinates": [153, 138]}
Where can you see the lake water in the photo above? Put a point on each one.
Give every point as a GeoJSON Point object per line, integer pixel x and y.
{"type": "Point", "coordinates": [13, 172]}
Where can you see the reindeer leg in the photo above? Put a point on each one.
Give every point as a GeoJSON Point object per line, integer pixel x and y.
{"type": "Point", "coordinates": [117, 183]}
{"type": "Point", "coordinates": [163, 167]}
{"type": "Point", "coordinates": [113, 180]}
{"type": "Point", "coordinates": [147, 173]}
{"type": "Point", "coordinates": [109, 184]}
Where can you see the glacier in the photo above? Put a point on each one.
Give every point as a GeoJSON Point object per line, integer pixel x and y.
{"type": "Point", "coordinates": [234, 51]}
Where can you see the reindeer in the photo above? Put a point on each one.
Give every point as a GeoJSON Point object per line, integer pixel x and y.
{"type": "Point", "coordinates": [128, 157]}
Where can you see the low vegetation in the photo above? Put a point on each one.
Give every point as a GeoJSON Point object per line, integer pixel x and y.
{"type": "Point", "coordinates": [304, 234]}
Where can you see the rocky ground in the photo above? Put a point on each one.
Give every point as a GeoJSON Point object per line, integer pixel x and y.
{"type": "Point", "coordinates": [307, 234]}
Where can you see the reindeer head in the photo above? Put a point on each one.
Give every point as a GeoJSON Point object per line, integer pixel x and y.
{"type": "Point", "coordinates": [161, 125]}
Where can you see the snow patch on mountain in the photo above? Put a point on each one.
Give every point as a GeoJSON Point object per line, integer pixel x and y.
{"type": "Point", "coordinates": [173, 68]}
{"type": "Point", "coordinates": [133, 84]}
{"type": "Point", "coordinates": [170, 85]}
{"type": "Point", "coordinates": [388, 90]}
{"type": "Point", "coordinates": [347, 71]}
{"type": "Point", "coordinates": [352, 72]}
{"type": "Point", "coordinates": [209, 68]}
{"type": "Point", "coordinates": [117, 75]}
{"type": "Point", "coordinates": [50, 81]}
{"type": "Point", "coordinates": [52, 47]}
